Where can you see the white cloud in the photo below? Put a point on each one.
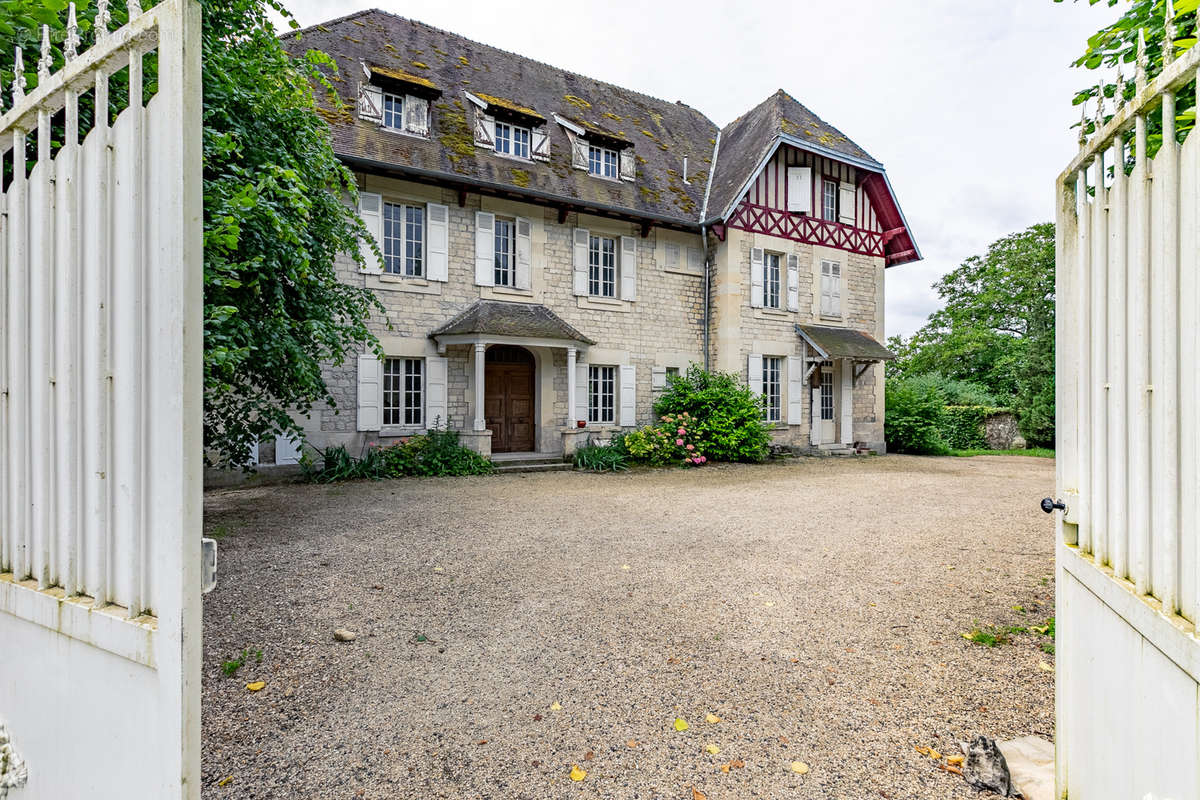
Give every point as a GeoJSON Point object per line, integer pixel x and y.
{"type": "Point", "coordinates": [967, 104]}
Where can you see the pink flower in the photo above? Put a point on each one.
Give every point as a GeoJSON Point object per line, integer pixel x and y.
{"type": "Point", "coordinates": [679, 442]}
{"type": "Point", "coordinates": [697, 460]}
{"type": "Point", "coordinates": [664, 419]}
{"type": "Point", "coordinates": [703, 459]}
{"type": "Point", "coordinates": [691, 447]}
{"type": "Point", "coordinates": [681, 431]}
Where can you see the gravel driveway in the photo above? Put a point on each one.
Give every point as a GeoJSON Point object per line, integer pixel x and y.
{"type": "Point", "coordinates": [510, 627]}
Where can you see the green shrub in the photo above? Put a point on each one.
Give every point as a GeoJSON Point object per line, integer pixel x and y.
{"type": "Point", "coordinates": [727, 416]}
{"type": "Point", "coordinates": [914, 409]}
{"type": "Point", "coordinates": [437, 453]}
{"type": "Point", "coordinates": [962, 427]}
{"type": "Point", "coordinates": [673, 440]}
{"type": "Point", "coordinates": [440, 453]}
{"type": "Point", "coordinates": [601, 458]}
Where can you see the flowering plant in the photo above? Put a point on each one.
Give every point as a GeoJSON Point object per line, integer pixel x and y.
{"type": "Point", "coordinates": [671, 441]}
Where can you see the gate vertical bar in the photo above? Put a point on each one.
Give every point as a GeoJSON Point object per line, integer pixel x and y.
{"type": "Point", "coordinates": [1138, 356]}
{"type": "Point", "coordinates": [1098, 335]}
{"type": "Point", "coordinates": [41, 316]}
{"type": "Point", "coordinates": [18, 358]}
{"type": "Point", "coordinates": [1083, 335]}
{"type": "Point", "coordinates": [1118, 528]}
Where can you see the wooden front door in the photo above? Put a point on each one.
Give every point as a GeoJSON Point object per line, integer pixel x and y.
{"type": "Point", "coordinates": [508, 399]}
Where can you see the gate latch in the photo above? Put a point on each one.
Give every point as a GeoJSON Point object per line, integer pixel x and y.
{"type": "Point", "coordinates": [1049, 504]}
{"type": "Point", "coordinates": [208, 565]}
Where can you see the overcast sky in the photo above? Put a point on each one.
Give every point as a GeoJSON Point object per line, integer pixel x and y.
{"type": "Point", "coordinates": [967, 104]}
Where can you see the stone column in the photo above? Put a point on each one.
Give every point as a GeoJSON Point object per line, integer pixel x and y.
{"type": "Point", "coordinates": [480, 360]}
{"type": "Point", "coordinates": [570, 387]}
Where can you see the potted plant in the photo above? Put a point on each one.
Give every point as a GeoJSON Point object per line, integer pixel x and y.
{"type": "Point", "coordinates": [581, 423]}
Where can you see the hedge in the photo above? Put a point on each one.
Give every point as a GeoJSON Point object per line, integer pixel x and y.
{"type": "Point", "coordinates": [962, 427]}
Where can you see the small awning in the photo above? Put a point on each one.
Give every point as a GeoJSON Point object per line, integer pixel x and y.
{"type": "Point", "coordinates": [517, 323]}
{"type": "Point", "coordinates": [833, 343]}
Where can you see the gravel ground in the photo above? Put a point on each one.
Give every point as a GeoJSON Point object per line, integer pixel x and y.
{"type": "Point", "coordinates": [814, 606]}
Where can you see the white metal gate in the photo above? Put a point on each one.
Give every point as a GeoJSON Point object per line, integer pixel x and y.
{"type": "Point", "coordinates": [1128, 677]}
{"type": "Point", "coordinates": [100, 442]}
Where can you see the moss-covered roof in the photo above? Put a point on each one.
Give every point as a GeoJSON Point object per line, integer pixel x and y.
{"type": "Point", "coordinates": [401, 75]}
{"type": "Point", "coordinates": [508, 105]}
{"type": "Point", "coordinates": [835, 343]}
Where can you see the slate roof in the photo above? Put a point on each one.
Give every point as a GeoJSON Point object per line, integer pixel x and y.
{"type": "Point", "coordinates": [497, 318]}
{"type": "Point", "coordinates": [844, 343]}
{"type": "Point", "coordinates": [747, 140]}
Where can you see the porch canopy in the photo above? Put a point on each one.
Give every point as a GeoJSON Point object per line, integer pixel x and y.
{"type": "Point", "coordinates": [829, 344]}
{"type": "Point", "coordinates": [500, 322]}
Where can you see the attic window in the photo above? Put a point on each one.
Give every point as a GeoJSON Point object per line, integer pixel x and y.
{"type": "Point", "coordinates": [512, 140]}
{"type": "Point", "coordinates": [602, 161]}
{"type": "Point", "coordinates": [393, 111]}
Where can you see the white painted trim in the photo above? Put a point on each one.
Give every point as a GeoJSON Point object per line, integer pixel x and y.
{"type": "Point", "coordinates": [571, 126]}
{"type": "Point", "coordinates": [524, 341]}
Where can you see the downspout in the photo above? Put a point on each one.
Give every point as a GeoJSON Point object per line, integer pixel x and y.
{"type": "Point", "coordinates": [712, 168]}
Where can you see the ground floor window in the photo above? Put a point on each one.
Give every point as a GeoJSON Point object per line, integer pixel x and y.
{"type": "Point", "coordinates": [772, 392]}
{"type": "Point", "coordinates": [601, 393]}
{"type": "Point", "coordinates": [403, 391]}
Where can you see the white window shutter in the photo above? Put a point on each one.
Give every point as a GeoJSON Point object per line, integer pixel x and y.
{"type": "Point", "coordinates": [370, 103]}
{"type": "Point", "coordinates": [581, 391]}
{"type": "Point", "coordinates": [370, 392]}
{"type": "Point", "coordinates": [628, 396]}
{"type": "Point", "coordinates": [628, 268]}
{"type": "Point", "coordinates": [370, 208]}
{"type": "Point", "coordinates": [826, 289]}
{"type": "Point", "coordinates": [847, 201]}
{"type": "Point", "coordinates": [756, 277]}
{"type": "Point", "coordinates": [795, 390]}
{"type": "Point", "coordinates": [436, 369]}
{"type": "Point", "coordinates": [437, 248]}
{"type": "Point", "coordinates": [658, 378]}
{"type": "Point", "coordinates": [485, 249]}
{"type": "Point", "coordinates": [671, 256]}
{"type": "Point", "coordinates": [793, 282]}
{"type": "Point", "coordinates": [799, 190]}
{"type": "Point", "coordinates": [579, 151]}
{"type": "Point", "coordinates": [754, 369]}
{"type": "Point", "coordinates": [695, 259]}
{"type": "Point", "coordinates": [580, 260]}
{"type": "Point", "coordinates": [627, 164]}
{"type": "Point", "coordinates": [539, 147]}
{"type": "Point", "coordinates": [485, 129]}
{"type": "Point", "coordinates": [254, 454]}
{"type": "Point", "coordinates": [847, 402]}
{"type": "Point", "coordinates": [814, 430]}
{"type": "Point", "coordinates": [416, 115]}
{"type": "Point", "coordinates": [524, 277]}
{"type": "Point", "coordinates": [287, 450]}
{"type": "Point", "coordinates": [835, 289]}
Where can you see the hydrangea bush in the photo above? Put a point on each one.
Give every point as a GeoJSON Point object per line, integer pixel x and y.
{"type": "Point", "coordinates": [672, 441]}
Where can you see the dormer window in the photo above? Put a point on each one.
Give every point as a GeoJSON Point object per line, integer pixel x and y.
{"type": "Point", "coordinates": [396, 101]}
{"type": "Point", "coordinates": [602, 161]}
{"type": "Point", "coordinates": [393, 111]}
{"type": "Point", "coordinates": [512, 140]}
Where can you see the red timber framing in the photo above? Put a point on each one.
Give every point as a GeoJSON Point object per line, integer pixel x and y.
{"type": "Point", "coordinates": [809, 230]}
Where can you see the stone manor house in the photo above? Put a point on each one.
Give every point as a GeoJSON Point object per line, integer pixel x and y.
{"type": "Point", "coordinates": [554, 248]}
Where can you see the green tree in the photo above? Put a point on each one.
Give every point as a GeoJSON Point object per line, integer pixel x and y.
{"type": "Point", "coordinates": [996, 328]}
{"type": "Point", "coordinates": [278, 209]}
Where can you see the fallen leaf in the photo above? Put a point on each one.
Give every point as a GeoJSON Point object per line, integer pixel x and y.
{"type": "Point", "coordinates": [783, 740]}
{"type": "Point", "coordinates": [577, 774]}
{"type": "Point", "coordinates": [922, 750]}
{"type": "Point", "coordinates": [624, 566]}
{"type": "Point", "coordinates": [954, 760]}
{"type": "Point", "coordinates": [632, 743]}
{"type": "Point", "coordinates": [534, 763]}
{"type": "Point", "coordinates": [589, 755]}
{"type": "Point", "coordinates": [698, 795]}
{"type": "Point", "coordinates": [872, 701]}
{"type": "Point", "coordinates": [681, 724]}
{"type": "Point", "coordinates": [256, 686]}
{"type": "Point", "coordinates": [736, 763]}
{"type": "Point", "coordinates": [1044, 667]}
{"type": "Point", "coordinates": [228, 779]}
{"type": "Point", "coordinates": [712, 749]}
{"type": "Point", "coordinates": [555, 706]}
{"type": "Point", "coordinates": [483, 741]}
{"type": "Point", "coordinates": [945, 768]}
{"type": "Point", "coordinates": [438, 569]}
{"type": "Point", "coordinates": [799, 767]}
{"type": "Point", "coordinates": [537, 717]}
{"type": "Point", "coordinates": [712, 719]}
{"type": "Point", "coordinates": [672, 660]}
{"type": "Point", "coordinates": [935, 755]}
{"type": "Point", "coordinates": [769, 604]}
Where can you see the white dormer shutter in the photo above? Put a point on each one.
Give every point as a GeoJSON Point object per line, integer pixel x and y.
{"type": "Point", "coordinates": [581, 391]}
{"type": "Point", "coordinates": [754, 376]}
{"type": "Point", "coordinates": [799, 190]}
{"type": "Point", "coordinates": [579, 152]}
{"type": "Point", "coordinates": [437, 251]}
{"type": "Point", "coordinates": [370, 392]}
{"type": "Point", "coordinates": [540, 144]}
{"type": "Point", "coordinates": [370, 208]}
{"type": "Point", "coordinates": [485, 129]}
{"type": "Point", "coordinates": [795, 390]}
{"type": "Point", "coordinates": [628, 268]}
{"type": "Point", "coordinates": [580, 260]}
{"type": "Point", "coordinates": [671, 256]}
{"type": "Point", "coordinates": [370, 103]}
{"type": "Point", "coordinates": [524, 252]}
{"type": "Point", "coordinates": [756, 278]}
{"type": "Point", "coordinates": [847, 202]}
{"type": "Point", "coordinates": [485, 249]}
{"type": "Point", "coordinates": [628, 165]}
{"type": "Point", "coordinates": [416, 115]}
{"type": "Point", "coordinates": [628, 396]}
{"type": "Point", "coordinates": [793, 282]}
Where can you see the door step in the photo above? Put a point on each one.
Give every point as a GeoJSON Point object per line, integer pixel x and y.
{"type": "Point", "coordinates": [529, 462]}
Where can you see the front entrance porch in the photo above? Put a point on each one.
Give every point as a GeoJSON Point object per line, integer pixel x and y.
{"type": "Point", "coordinates": [508, 398]}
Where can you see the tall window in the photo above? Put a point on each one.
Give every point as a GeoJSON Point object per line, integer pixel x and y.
{"type": "Point", "coordinates": [771, 280]}
{"type": "Point", "coordinates": [602, 161]}
{"type": "Point", "coordinates": [826, 390]}
{"type": "Point", "coordinates": [831, 289]}
{"type": "Point", "coordinates": [601, 393]}
{"type": "Point", "coordinates": [772, 397]}
{"type": "Point", "coordinates": [403, 391]}
{"type": "Point", "coordinates": [829, 205]}
{"type": "Point", "coordinates": [506, 251]}
{"type": "Point", "coordinates": [511, 140]}
{"type": "Point", "coordinates": [602, 266]}
{"type": "Point", "coordinates": [403, 240]}
{"type": "Point", "coordinates": [393, 111]}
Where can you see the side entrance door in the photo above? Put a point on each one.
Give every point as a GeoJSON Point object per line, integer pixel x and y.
{"type": "Point", "coordinates": [508, 398]}
{"type": "Point", "coordinates": [828, 425]}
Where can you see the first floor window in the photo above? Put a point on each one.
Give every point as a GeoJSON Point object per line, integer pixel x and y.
{"type": "Point", "coordinates": [771, 280]}
{"type": "Point", "coordinates": [403, 391]}
{"type": "Point", "coordinates": [602, 266]}
{"type": "Point", "coordinates": [393, 111]}
{"type": "Point", "coordinates": [505, 251]}
{"type": "Point", "coordinates": [829, 204]}
{"type": "Point", "coordinates": [772, 397]}
{"type": "Point", "coordinates": [403, 240]}
{"type": "Point", "coordinates": [602, 161]}
{"type": "Point", "coordinates": [826, 391]}
{"type": "Point", "coordinates": [511, 140]}
{"type": "Point", "coordinates": [601, 393]}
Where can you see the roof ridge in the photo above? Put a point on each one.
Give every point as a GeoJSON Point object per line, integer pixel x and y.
{"type": "Point", "coordinates": [515, 54]}
{"type": "Point", "coordinates": [334, 21]}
